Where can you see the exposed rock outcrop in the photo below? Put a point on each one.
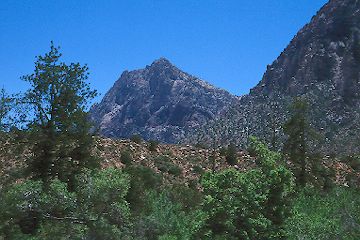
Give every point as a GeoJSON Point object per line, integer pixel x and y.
{"type": "Point", "coordinates": [158, 102]}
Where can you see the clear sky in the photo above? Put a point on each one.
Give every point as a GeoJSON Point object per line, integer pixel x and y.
{"type": "Point", "coordinates": [228, 43]}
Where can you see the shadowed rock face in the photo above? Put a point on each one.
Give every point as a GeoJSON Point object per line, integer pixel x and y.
{"type": "Point", "coordinates": [158, 102]}
{"type": "Point", "coordinates": [324, 52]}
{"type": "Point", "coordinates": [322, 64]}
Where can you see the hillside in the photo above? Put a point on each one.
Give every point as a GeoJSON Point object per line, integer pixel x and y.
{"type": "Point", "coordinates": [175, 163]}
{"type": "Point", "coordinates": [321, 65]}
{"type": "Point", "coordinates": [191, 161]}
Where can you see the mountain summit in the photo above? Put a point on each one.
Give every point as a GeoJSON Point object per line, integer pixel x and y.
{"type": "Point", "coordinates": [158, 102]}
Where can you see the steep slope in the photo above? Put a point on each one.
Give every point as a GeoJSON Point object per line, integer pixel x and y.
{"type": "Point", "coordinates": [158, 102]}
{"type": "Point", "coordinates": [322, 64]}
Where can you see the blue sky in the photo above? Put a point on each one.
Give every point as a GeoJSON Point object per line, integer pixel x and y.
{"type": "Point", "coordinates": [228, 43]}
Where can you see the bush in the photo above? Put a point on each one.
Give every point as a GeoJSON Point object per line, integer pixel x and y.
{"type": "Point", "coordinates": [188, 198]}
{"type": "Point", "coordinates": [152, 145]}
{"type": "Point", "coordinates": [136, 138]}
{"type": "Point", "coordinates": [198, 169]}
{"type": "Point", "coordinates": [167, 220]}
{"type": "Point", "coordinates": [248, 205]}
{"type": "Point", "coordinates": [193, 159]}
{"type": "Point", "coordinates": [354, 162]}
{"type": "Point", "coordinates": [97, 207]}
{"type": "Point", "coordinates": [126, 157]}
{"type": "Point", "coordinates": [332, 216]}
{"type": "Point", "coordinates": [174, 170]}
{"type": "Point", "coordinates": [142, 180]}
{"type": "Point", "coordinates": [234, 202]}
{"type": "Point", "coordinates": [164, 164]}
{"type": "Point", "coordinates": [223, 151]}
{"type": "Point", "coordinates": [231, 155]}
{"type": "Point", "coordinates": [201, 145]}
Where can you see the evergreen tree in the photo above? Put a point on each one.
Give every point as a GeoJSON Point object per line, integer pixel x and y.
{"type": "Point", "coordinates": [60, 130]}
{"type": "Point", "coordinates": [231, 153]}
{"type": "Point", "coordinates": [298, 131]}
{"type": "Point", "coordinates": [5, 107]}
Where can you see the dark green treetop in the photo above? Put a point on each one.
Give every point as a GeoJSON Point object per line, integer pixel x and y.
{"type": "Point", "coordinates": [58, 123]}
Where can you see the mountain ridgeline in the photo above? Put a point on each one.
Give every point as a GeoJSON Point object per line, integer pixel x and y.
{"type": "Point", "coordinates": [158, 102]}
{"type": "Point", "coordinates": [321, 64]}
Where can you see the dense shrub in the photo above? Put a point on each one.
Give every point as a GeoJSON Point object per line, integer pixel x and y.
{"type": "Point", "coordinates": [223, 151]}
{"type": "Point", "coordinates": [187, 197]}
{"type": "Point", "coordinates": [248, 205]}
{"type": "Point", "coordinates": [231, 155]}
{"type": "Point", "coordinates": [142, 180]}
{"type": "Point", "coordinates": [198, 169]}
{"type": "Point", "coordinates": [316, 216]}
{"type": "Point", "coordinates": [167, 220]}
{"type": "Point", "coordinates": [126, 157]}
{"type": "Point", "coordinates": [136, 138]}
{"type": "Point", "coordinates": [96, 210]}
{"type": "Point", "coordinates": [152, 145]}
{"type": "Point", "coordinates": [164, 164]}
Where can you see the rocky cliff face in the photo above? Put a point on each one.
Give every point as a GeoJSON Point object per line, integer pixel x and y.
{"type": "Point", "coordinates": [321, 64]}
{"type": "Point", "coordinates": [158, 102]}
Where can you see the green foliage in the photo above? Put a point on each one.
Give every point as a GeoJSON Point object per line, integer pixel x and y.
{"type": "Point", "coordinates": [332, 216]}
{"type": "Point", "coordinates": [212, 161]}
{"type": "Point", "coordinates": [142, 180]}
{"type": "Point", "coordinates": [18, 209]}
{"type": "Point", "coordinates": [223, 151]}
{"type": "Point", "coordinates": [96, 210]}
{"type": "Point", "coordinates": [187, 197]}
{"type": "Point", "coordinates": [193, 159]}
{"type": "Point", "coordinates": [248, 205]}
{"type": "Point", "coordinates": [201, 145]}
{"type": "Point", "coordinates": [167, 220]}
{"type": "Point", "coordinates": [198, 169]}
{"type": "Point", "coordinates": [152, 145]}
{"type": "Point", "coordinates": [136, 138]}
{"type": "Point", "coordinates": [59, 128]}
{"type": "Point", "coordinates": [231, 155]}
{"type": "Point", "coordinates": [164, 164]}
{"type": "Point", "coordinates": [279, 184]}
{"type": "Point", "coordinates": [126, 157]}
{"type": "Point", "coordinates": [65, 195]}
{"type": "Point", "coordinates": [321, 176]}
{"type": "Point", "coordinates": [296, 147]}
{"type": "Point", "coordinates": [101, 197]}
{"type": "Point", "coordinates": [234, 202]}
{"type": "Point", "coordinates": [6, 103]}
{"type": "Point", "coordinates": [353, 161]}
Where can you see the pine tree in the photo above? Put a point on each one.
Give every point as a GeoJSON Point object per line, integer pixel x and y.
{"type": "Point", "coordinates": [59, 127]}
{"type": "Point", "coordinates": [231, 153]}
{"type": "Point", "coordinates": [298, 131]}
{"type": "Point", "coordinates": [5, 107]}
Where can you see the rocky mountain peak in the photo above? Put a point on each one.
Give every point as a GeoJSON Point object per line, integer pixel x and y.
{"type": "Point", "coordinates": [158, 102]}
{"type": "Point", "coordinates": [161, 63]}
